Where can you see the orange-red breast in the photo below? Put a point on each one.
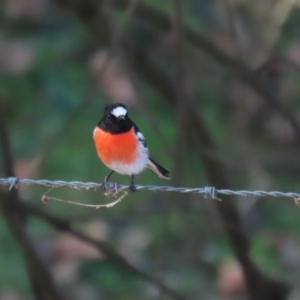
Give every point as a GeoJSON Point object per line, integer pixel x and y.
{"type": "Point", "coordinates": [121, 146]}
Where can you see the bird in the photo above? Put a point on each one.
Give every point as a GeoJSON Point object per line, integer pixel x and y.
{"type": "Point", "coordinates": [122, 147]}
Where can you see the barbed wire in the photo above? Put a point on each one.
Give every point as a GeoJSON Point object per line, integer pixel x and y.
{"type": "Point", "coordinates": [208, 192]}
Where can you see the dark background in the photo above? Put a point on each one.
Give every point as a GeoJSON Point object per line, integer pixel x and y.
{"type": "Point", "coordinates": [214, 87]}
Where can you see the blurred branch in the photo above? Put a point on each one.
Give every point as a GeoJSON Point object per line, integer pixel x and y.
{"type": "Point", "coordinates": [90, 13]}
{"type": "Point", "coordinates": [235, 66]}
{"type": "Point", "coordinates": [270, 18]}
{"type": "Point", "coordinates": [116, 38]}
{"type": "Point", "coordinates": [116, 30]}
{"type": "Point", "coordinates": [51, 141]}
{"type": "Point", "coordinates": [111, 254]}
{"type": "Point", "coordinates": [259, 286]}
{"type": "Point", "coordinates": [180, 110]}
{"type": "Point", "coordinates": [180, 90]}
{"type": "Point", "coordinates": [42, 283]}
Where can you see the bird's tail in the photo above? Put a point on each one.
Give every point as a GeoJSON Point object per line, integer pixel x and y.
{"type": "Point", "coordinates": [157, 169]}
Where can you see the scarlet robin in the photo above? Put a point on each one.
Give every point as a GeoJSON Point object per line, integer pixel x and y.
{"type": "Point", "coordinates": [121, 146]}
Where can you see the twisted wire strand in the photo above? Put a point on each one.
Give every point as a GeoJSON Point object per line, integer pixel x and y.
{"type": "Point", "coordinates": [208, 192]}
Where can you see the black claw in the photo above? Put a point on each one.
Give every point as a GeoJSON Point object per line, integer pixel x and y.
{"type": "Point", "coordinates": [104, 184]}
{"type": "Point", "coordinates": [132, 188]}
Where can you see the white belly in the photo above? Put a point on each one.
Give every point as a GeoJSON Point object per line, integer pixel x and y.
{"type": "Point", "coordinates": [133, 168]}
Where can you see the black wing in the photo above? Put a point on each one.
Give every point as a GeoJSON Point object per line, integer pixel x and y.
{"type": "Point", "coordinates": [140, 136]}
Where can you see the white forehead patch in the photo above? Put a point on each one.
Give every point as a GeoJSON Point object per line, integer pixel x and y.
{"type": "Point", "coordinates": [119, 111]}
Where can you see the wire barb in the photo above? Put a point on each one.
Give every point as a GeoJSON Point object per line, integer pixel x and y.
{"type": "Point", "coordinates": [211, 193]}
{"type": "Point", "coordinates": [13, 184]}
{"type": "Point", "coordinates": [208, 192]}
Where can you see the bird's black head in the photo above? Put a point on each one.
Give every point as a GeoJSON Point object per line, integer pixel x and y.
{"type": "Point", "coordinates": [115, 119]}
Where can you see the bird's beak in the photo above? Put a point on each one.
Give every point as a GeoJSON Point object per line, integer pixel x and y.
{"type": "Point", "coordinates": [121, 117]}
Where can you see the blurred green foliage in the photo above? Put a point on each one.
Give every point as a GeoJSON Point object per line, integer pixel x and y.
{"type": "Point", "coordinates": [181, 238]}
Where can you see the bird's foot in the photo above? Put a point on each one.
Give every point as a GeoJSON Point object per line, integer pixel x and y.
{"type": "Point", "coordinates": [132, 188]}
{"type": "Point", "coordinates": [104, 183]}
{"type": "Point", "coordinates": [110, 189]}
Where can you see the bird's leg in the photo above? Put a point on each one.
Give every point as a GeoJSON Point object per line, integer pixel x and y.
{"type": "Point", "coordinates": [112, 172]}
{"type": "Point", "coordinates": [132, 186]}
{"type": "Point", "coordinates": [106, 179]}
